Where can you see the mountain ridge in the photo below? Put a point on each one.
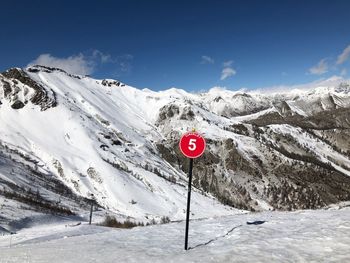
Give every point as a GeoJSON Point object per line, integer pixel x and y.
{"type": "Point", "coordinates": [264, 151]}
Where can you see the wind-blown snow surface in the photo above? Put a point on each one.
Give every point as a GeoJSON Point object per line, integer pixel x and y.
{"type": "Point", "coordinates": [300, 236]}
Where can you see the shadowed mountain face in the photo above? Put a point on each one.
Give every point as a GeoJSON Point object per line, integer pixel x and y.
{"type": "Point", "coordinates": [286, 150]}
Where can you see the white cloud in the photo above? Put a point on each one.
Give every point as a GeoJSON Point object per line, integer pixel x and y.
{"type": "Point", "coordinates": [124, 62]}
{"type": "Point", "coordinates": [227, 72]}
{"type": "Point", "coordinates": [207, 60]}
{"type": "Point", "coordinates": [227, 63]}
{"type": "Point", "coordinates": [104, 58]}
{"type": "Point", "coordinates": [344, 55]}
{"type": "Point", "coordinates": [329, 82]}
{"type": "Point", "coordinates": [333, 81]}
{"type": "Point", "coordinates": [85, 64]}
{"type": "Point", "coordinates": [320, 68]}
{"type": "Point", "coordinates": [76, 64]}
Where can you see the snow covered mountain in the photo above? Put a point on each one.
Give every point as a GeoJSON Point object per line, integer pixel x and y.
{"type": "Point", "coordinates": [64, 137]}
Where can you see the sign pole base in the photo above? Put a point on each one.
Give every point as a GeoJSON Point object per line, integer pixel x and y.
{"type": "Point", "coordinates": [91, 208]}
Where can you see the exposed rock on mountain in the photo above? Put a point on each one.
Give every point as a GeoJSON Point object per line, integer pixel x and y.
{"type": "Point", "coordinates": [64, 137]}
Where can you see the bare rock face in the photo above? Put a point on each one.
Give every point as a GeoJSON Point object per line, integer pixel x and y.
{"type": "Point", "coordinates": [17, 105]}
{"type": "Point", "coordinates": [167, 112]}
{"type": "Point", "coordinates": [111, 83]}
{"type": "Point", "coordinates": [284, 108]}
{"type": "Point", "coordinates": [16, 82]}
{"type": "Point", "coordinates": [187, 114]}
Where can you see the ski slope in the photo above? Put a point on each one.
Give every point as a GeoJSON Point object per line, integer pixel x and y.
{"type": "Point", "coordinates": [300, 236]}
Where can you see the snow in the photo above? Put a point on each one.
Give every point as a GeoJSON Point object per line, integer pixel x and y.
{"type": "Point", "coordinates": [71, 135]}
{"type": "Point", "coordinates": [323, 151]}
{"type": "Point", "coordinates": [300, 236]}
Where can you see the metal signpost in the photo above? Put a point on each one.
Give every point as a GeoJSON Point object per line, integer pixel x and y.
{"type": "Point", "coordinates": [192, 145]}
{"type": "Point", "coordinates": [91, 207]}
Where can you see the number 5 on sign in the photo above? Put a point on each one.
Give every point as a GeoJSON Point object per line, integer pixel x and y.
{"type": "Point", "coordinates": [192, 144]}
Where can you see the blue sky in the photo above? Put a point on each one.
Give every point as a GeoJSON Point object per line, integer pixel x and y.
{"type": "Point", "coordinates": [193, 45]}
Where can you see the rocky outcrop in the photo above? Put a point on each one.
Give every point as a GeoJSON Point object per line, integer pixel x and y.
{"type": "Point", "coordinates": [16, 81]}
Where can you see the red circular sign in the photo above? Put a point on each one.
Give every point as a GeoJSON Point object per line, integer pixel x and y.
{"type": "Point", "coordinates": [192, 145]}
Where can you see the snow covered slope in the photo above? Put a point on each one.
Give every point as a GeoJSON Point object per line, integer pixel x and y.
{"type": "Point", "coordinates": [102, 137]}
{"type": "Point", "coordinates": [97, 138]}
{"type": "Point", "coordinates": [302, 236]}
